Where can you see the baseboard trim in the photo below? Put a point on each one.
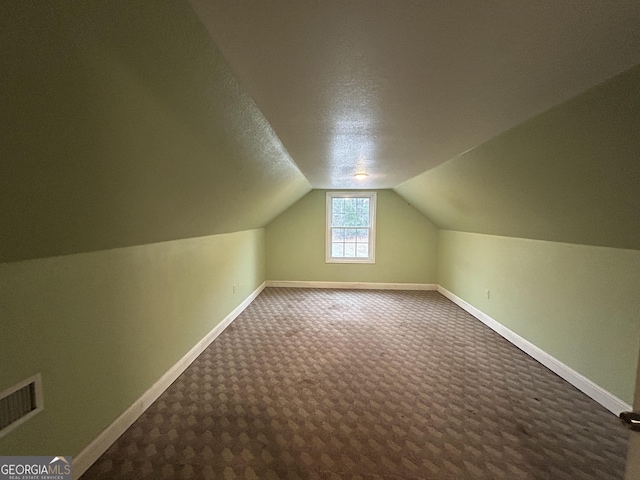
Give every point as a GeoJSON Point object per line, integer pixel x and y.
{"type": "Point", "coordinates": [352, 285]}
{"type": "Point", "coordinates": [104, 440]}
{"type": "Point", "coordinates": [582, 383]}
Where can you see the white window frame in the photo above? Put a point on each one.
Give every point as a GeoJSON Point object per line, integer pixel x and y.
{"type": "Point", "coordinates": [372, 196]}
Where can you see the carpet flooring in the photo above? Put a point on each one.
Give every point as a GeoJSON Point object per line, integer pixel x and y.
{"type": "Point", "coordinates": [357, 384]}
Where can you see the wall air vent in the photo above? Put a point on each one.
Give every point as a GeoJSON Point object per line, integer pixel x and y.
{"type": "Point", "coordinates": [19, 403]}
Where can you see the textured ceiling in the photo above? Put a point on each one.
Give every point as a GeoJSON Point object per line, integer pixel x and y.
{"type": "Point", "coordinates": [396, 88]}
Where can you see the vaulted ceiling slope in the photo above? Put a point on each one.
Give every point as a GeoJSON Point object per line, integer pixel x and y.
{"type": "Point", "coordinates": [395, 87]}
{"type": "Point", "coordinates": [123, 125]}
{"type": "Point", "coordinates": [571, 174]}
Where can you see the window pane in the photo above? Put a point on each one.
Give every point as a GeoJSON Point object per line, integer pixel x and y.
{"type": "Point", "coordinates": [363, 212]}
{"type": "Point", "coordinates": [349, 249]}
{"type": "Point", "coordinates": [350, 214]}
{"type": "Point", "coordinates": [337, 220]}
{"type": "Point", "coordinates": [362, 250]}
{"type": "Point", "coordinates": [337, 235]}
{"type": "Point", "coordinates": [350, 234]}
{"type": "Point", "coordinates": [337, 205]}
{"type": "Point", "coordinates": [362, 235]}
{"type": "Point", "coordinates": [337, 250]}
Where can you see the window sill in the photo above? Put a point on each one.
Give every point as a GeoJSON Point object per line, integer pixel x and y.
{"type": "Point", "coordinates": [350, 260]}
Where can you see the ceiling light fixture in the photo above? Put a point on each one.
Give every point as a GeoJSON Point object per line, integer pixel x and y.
{"type": "Point", "coordinates": [360, 176]}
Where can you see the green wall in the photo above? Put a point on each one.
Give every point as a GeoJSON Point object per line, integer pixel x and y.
{"type": "Point", "coordinates": [570, 174]}
{"type": "Point", "coordinates": [552, 214]}
{"type": "Point", "coordinates": [124, 125]}
{"type": "Point", "coordinates": [636, 398]}
{"type": "Point", "coordinates": [102, 327]}
{"type": "Point", "coordinates": [406, 244]}
{"type": "Point", "coordinates": [578, 303]}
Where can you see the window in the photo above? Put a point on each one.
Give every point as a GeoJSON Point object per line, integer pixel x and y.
{"type": "Point", "coordinates": [351, 227]}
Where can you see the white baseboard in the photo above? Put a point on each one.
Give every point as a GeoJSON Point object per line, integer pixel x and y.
{"type": "Point", "coordinates": [582, 383]}
{"type": "Point", "coordinates": [352, 285]}
{"type": "Point", "coordinates": [104, 440]}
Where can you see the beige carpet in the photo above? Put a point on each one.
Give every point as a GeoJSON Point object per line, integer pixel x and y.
{"type": "Point", "coordinates": [366, 384]}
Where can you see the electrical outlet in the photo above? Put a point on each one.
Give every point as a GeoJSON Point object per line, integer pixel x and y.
{"type": "Point", "coordinates": [488, 292]}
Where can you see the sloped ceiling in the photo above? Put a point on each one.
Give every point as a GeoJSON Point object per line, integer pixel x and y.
{"type": "Point", "coordinates": [123, 125]}
{"type": "Point", "coordinates": [395, 88]}
{"type": "Point", "coordinates": [571, 174]}
{"type": "Point", "coordinates": [401, 88]}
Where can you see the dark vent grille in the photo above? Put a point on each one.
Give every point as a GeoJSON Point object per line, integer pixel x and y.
{"type": "Point", "coordinates": [17, 404]}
